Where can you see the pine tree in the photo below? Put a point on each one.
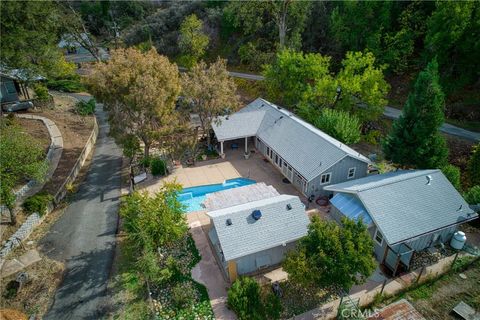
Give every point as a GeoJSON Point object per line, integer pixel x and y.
{"type": "Point", "coordinates": [415, 140]}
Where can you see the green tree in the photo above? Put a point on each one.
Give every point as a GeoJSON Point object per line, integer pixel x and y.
{"type": "Point", "coordinates": [288, 16]}
{"type": "Point", "coordinates": [474, 166]}
{"type": "Point", "coordinates": [452, 36]}
{"type": "Point", "coordinates": [415, 140]}
{"type": "Point", "coordinates": [332, 255]}
{"type": "Point", "coordinates": [153, 221]}
{"type": "Point", "coordinates": [453, 175]}
{"type": "Point", "coordinates": [244, 298]}
{"type": "Point", "coordinates": [30, 34]}
{"type": "Point", "coordinates": [211, 93]}
{"type": "Point", "coordinates": [192, 41]}
{"type": "Point", "coordinates": [21, 158]}
{"type": "Point", "coordinates": [290, 76]}
{"type": "Point", "coordinates": [139, 91]}
{"type": "Point", "coordinates": [359, 87]}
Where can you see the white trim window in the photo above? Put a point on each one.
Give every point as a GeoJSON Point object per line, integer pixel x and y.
{"type": "Point", "coordinates": [325, 178]}
{"type": "Point", "coordinates": [378, 237]}
{"type": "Point", "coordinates": [351, 173]}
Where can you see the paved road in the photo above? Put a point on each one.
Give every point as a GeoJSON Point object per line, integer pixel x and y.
{"type": "Point", "coordinates": [84, 237]}
{"type": "Point", "coordinates": [393, 113]}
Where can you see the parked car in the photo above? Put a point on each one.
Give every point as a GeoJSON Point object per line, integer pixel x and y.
{"type": "Point", "coordinates": [17, 106]}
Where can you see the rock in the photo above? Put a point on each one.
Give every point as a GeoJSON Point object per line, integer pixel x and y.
{"type": "Point", "coordinates": [463, 276]}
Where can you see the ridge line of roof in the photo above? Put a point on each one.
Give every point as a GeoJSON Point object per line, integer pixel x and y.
{"type": "Point", "coordinates": [406, 179]}
{"type": "Point", "coordinates": [317, 131]}
{"type": "Point", "coordinates": [268, 200]}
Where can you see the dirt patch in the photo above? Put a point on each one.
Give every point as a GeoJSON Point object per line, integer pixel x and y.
{"type": "Point", "coordinates": [34, 297]}
{"type": "Point", "coordinates": [75, 131]}
{"type": "Point", "coordinates": [36, 129]}
{"type": "Point", "coordinates": [437, 300]}
{"type": "Point", "coordinates": [460, 151]}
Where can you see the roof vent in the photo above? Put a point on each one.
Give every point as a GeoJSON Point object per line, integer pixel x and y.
{"type": "Point", "coordinates": [281, 117]}
{"type": "Point", "coordinates": [289, 206]}
{"type": "Point", "coordinates": [460, 208]}
{"type": "Point", "coordinates": [279, 108]}
{"type": "Point", "coordinates": [429, 179]}
{"type": "Point", "coordinates": [256, 214]}
{"type": "Point", "coordinates": [229, 222]}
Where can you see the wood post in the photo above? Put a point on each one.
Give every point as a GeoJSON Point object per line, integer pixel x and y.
{"type": "Point", "coordinates": [232, 270]}
{"type": "Point", "coordinates": [420, 275]}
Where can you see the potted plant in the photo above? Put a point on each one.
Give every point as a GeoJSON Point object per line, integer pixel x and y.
{"type": "Point", "coordinates": [204, 157]}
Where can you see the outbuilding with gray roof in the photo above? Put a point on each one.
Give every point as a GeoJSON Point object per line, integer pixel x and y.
{"type": "Point", "coordinates": [256, 235]}
{"type": "Point", "coordinates": [410, 210]}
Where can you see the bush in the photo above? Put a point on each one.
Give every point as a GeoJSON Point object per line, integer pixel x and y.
{"type": "Point", "coordinates": [66, 85]}
{"type": "Point", "coordinates": [183, 293]}
{"type": "Point", "coordinates": [474, 166]}
{"type": "Point", "coordinates": [273, 306]}
{"type": "Point", "coordinates": [453, 175]}
{"type": "Point", "coordinates": [340, 125]}
{"type": "Point", "coordinates": [158, 167]}
{"type": "Point", "coordinates": [472, 196]}
{"type": "Point", "coordinates": [245, 300]}
{"type": "Point", "coordinates": [37, 203]}
{"type": "Point", "coordinates": [86, 108]}
{"type": "Point", "coordinates": [372, 137]}
{"type": "Point", "coordinates": [41, 92]}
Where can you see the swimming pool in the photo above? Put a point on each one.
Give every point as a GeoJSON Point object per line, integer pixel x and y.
{"type": "Point", "coordinates": [192, 197]}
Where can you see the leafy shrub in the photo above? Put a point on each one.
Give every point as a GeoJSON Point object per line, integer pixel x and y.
{"type": "Point", "coordinates": [472, 196]}
{"type": "Point", "coordinates": [340, 125]}
{"type": "Point", "coordinates": [245, 300]}
{"type": "Point", "coordinates": [158, 167]}
{"type": "Point", "coordinates": [183, 293]}
{"type": "Point", "coordinates": [86, 108]}
{"type": "Point", "coordinates": [372, 137]}
{"type": "Point", "coordinates": [474, 166]}
{"type": "Point", "coordinates": [273, 306]}
{"type": "Point", "coordinates": [37, 203]}
{"type": "Point", "coordinates": [69, 84]}
{"type": "Point", "coordinates": [453, 175]}
{"type": "Point", "coordinates": [41, 92]}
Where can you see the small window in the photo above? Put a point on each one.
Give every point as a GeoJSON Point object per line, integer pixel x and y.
{"type": "Point", "coordinates": [378, 237]}
{"type": "Point", "coordinates": [325, 178]}
{"type": "Point", "coordinates": [351, 173]}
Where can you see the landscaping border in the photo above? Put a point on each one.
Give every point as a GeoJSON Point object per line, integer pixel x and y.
{"type": "Point", "coordinates": [35, 219]}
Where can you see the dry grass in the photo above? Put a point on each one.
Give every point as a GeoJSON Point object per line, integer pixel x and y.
{"type": "Point", "coordinates": [35, 296]}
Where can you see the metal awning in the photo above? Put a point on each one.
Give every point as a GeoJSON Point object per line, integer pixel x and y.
{"type": "Point", "coordinates": [351, 207]}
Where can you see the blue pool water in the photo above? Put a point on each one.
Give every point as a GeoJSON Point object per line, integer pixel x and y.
{"type": "Point", "coordinates": [192, 197]}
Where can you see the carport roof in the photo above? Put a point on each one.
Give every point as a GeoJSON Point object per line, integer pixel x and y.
{"type": "Point", "coordinates": [278, 225]}
{"type": "Point", "coordinates": [238, 125]}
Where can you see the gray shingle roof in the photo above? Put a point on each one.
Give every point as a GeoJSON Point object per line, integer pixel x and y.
{"type": "Point", "coordinates": [232, 197]}
{"type": "Point", "coordinates": [309, 150]}
{"type": "Point", "coordinates": [404, 204]}
{"type": "Point", "coordinates": [276, 227]}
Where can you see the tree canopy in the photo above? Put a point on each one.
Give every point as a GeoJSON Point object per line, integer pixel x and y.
{"type": "Point", "coordinates": [332, 255]}
{"type": "Point", "coordinates": [192, 41]}
{"type": "Point", "coordinates": [210, 92]}
{"type": "Point", "coordinates": [139, 91]}
{"type": "Point", "coordinates": [415, 140]}
{"type": "Point", "coordinates": [359, 87]}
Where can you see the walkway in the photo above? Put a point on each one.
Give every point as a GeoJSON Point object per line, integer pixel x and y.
{"type": "Point", "coordinates": [84, 236]}
{"type": "Point", "coordinates": [208, 273]}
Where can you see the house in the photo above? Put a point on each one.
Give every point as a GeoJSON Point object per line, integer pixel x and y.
{"type": "Point", "coordinates": [13, 84]}
{"type": "Point", "coordinates": [405, 211]}
{"type": "Point", "coordinates": [309, 158]}
{"type": "Point", "coordinates": [254, 236]}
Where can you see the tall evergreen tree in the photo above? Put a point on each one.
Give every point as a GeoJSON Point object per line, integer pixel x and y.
{"type": "Point", "coordinates": [415, 140]}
